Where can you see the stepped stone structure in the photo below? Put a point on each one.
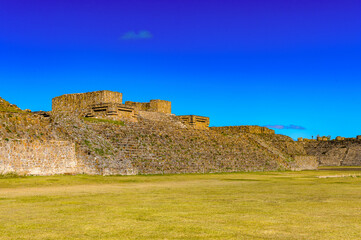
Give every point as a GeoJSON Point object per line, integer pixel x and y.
{"type": "Point", "coordinates": [244, 129]}
{"type": "Point", "coordinates": [95, 133]}
{"type": "Point", "coordinates": [339, 152]}
{"type": "Point", "coordinates": [112, 110]}
{"type": "Point", "coordinates": [106, 104]}
{"type": "Point", "coordinates": [196, 122]}
{"type": "Point", "coordinates": [94, 104]}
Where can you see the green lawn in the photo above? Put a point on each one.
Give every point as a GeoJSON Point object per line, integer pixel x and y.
{"type": "Point", "coordinates": [274, 205]}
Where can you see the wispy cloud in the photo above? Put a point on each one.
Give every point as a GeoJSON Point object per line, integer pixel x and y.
{"type": "Point", "coordinates": [132, 35]}
{"type": "Point", "coordinates": [294, 127]}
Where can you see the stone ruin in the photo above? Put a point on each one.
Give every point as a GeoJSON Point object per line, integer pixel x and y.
{"type": "Point", "coordinates": [244, 129]}
{"type": "Point", "coordinates": [36, 157]}
{"type": "Point", "coordinates": [340, 151]}
{"type": "Point", "coordinates": [326, 139]}
{"type": "Point", "coordinates": [108, 104]}
{"type": "Point", "coordinates": [85, 102]}
{"type": "Point", "coordinates": [150, 140]}
{"type": "Point", "coordinates": [339, 138]}
{"type": "Point", "coordinates": [160, 106]}
{"type": "Point", "coordinates": [197, 122]}
{"type": "Point", "coordinates": [101, 104]}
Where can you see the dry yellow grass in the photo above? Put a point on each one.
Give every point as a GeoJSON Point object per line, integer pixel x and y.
{"type": "Point", "coordinates": [274, 205]}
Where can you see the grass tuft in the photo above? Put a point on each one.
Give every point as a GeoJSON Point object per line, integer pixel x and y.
{"type": "Point", "coordinates": [100, 120]}
{"type": "Point", "coordinates": [11, 175]}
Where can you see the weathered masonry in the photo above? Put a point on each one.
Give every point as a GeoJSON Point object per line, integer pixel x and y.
{"type": "Point", "coordinates": [304, 163]}
{"type": "Point", "coordinates": [147, 139]}
{"type": "Point", "coordinates": [335, 152]}
{"type": "Point", "coordinates": [327, 139]}
{"type": "Point", "coordinates": [33, 157]}
{"type": "Point", "coordinates": [106, 104]}
{"type": "Point", "coordinates": [80, 102]}
{"type": "Point", "coordinates": [160, 106]}
{"type": "Point", "coordinates": [115, 110]}
{"type": "Point", "coordinates": [244, 129]}
{"type": "Point", "coordinates": [196, 122]}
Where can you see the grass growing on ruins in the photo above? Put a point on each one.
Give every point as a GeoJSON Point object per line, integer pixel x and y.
{"type": "Point", "coordinates": [274, 205]}
{"type": "Point", "coordinates": [9, 109]}
{"type": "Point", "coordinates": [99, 120]}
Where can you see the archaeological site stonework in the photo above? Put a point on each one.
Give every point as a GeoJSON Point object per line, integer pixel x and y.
{"type": "Point", "coordinates": [35, 157]}
{"type": "Point", "coordinates": [338, 152]}
{"type": "Point", "coordinates": [107, 104]}
{"type": "Point", "coordinates": [95, 133]}
{"type": "Point", "coordinates": [160, 106]}
{"type": "Point", "coordinates": [82, 101]}
{"type": "Point", "coordinates": [196, 122]}
{"type": "Point", "coordinates": [244, 129]}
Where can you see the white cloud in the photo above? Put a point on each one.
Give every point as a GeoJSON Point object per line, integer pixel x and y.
{"type": "Point", "coordinates": [136, 35]}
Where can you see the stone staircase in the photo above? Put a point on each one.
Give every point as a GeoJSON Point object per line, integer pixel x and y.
{"type": "Point", "coordinates": [152, 145]}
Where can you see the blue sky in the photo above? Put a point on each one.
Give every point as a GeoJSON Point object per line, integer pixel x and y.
{"type": "Point", "coordinates": [281, 62]}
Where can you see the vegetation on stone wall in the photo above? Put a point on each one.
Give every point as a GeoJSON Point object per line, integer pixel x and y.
{"type": "Point", "coordinates": [7, 107]}
{"type": "Point", "coordinates": [155, 144]}
{"type": "Point", "coordinates": [99, 120]}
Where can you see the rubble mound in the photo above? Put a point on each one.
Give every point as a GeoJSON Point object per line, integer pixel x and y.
{"type": "Point", "coordinates": [5, 106]}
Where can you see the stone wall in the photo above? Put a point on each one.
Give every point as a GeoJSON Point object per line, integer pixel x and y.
{"type": "Point", "coordinates": [138, 106]}
{"type": "Point", "coordinates": [25, 126]}
{"type": "Point", "coordinates": [167, 147]}
{"type": "Point", "coordinates": [243, 129]}
{"type": "Point", "coordinates": [81, 101]}
{"type": "Point", "coordinates": [154, 144]}
{"type": "Point", "coordinates": [196, 122]}
{"type": "Point", "coordinates": [336, 153]}
{"type": "Point", "coordinates": [164, 145]}
{"type": "Point", "coordinates": [111, 110]}
{"type": "Point", "coordinates": [160, 106]}
{"type": "Point", "coordinates": [304, 162]}
{"type": "Point", "coordinates": [35, 157]}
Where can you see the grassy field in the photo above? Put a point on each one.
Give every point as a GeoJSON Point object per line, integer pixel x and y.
{"type": "Point", "coordinates": [273, 205]}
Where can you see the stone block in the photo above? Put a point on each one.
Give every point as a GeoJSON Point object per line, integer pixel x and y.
{"type": "Point", "coordinates": [196, 122]}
